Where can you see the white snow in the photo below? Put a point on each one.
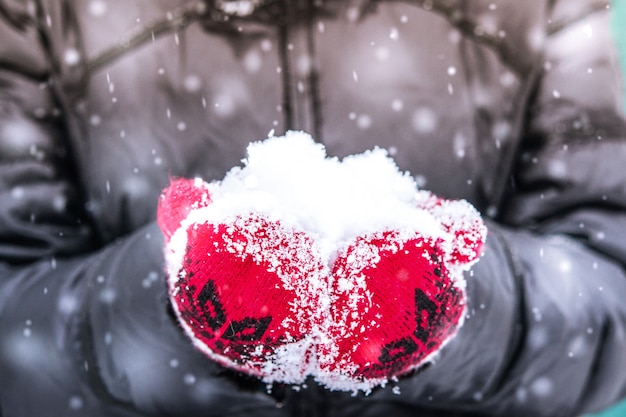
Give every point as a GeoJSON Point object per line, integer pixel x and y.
{"type": "Point", "coordinates": [292, 180]}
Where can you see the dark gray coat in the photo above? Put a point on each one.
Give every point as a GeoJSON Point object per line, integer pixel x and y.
{"type": "Point", "coordinates": [512, 105]}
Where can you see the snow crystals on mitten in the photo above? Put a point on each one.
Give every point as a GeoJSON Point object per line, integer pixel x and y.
{"type": "Point", "coordinates": [297, 265]}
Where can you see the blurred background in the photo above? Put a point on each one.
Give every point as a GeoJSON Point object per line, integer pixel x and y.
{"type": "Point", "coordinates": [619, 31]}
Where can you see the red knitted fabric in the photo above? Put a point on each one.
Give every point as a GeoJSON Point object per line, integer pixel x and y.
{"type": "Point", "coordinates": [257, 296]}
{"type": "Point", "coordinates": [178, 200]}
{"type": "Point", "coordinates": [239, 291]}
{"type": "Point", "coordinates": [395, 304]}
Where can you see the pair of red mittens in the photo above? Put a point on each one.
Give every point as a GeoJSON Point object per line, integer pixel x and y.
{"type": "Point", "coordinates": [265, 296]}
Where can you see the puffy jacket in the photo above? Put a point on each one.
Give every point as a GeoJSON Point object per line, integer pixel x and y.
{"type": "Point", "coordinates": [511, 105]}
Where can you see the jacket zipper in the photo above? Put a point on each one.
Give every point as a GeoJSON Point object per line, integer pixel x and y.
{"type": "Point", "coordinates": [300, 77]}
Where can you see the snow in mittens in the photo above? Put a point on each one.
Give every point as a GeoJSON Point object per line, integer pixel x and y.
{"type": "Point", "coordinates": [291, 179]}
{"type": "Point", "coordinates": [297, 264]}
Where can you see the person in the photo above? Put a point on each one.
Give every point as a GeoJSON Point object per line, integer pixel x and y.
{"type": "Point", "coordinates": [515, 108]}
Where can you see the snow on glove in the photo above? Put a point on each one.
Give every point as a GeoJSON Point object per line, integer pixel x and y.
{"type": "Point", "coordinates": [297, 264]}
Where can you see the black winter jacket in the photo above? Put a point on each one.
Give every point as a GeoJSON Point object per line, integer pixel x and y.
{"type": "Point", "coordinates": [512, 105]}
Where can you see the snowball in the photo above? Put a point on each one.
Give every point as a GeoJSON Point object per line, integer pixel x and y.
{"type": "Point", "coordinates": [292, 180]}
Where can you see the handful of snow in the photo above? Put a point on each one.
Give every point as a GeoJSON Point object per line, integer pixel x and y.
{"type": "Point", "coordinates": [297, 264]}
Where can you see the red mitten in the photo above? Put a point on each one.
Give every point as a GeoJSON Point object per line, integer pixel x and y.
{"type": "Point", "coordinates": [242, 287]}
{"type": "Point", "coordinates": [398, 298]}
{"type": "Point", "coordinates": [464, 224]}
{"type": "Point", "coordinates": [406, 303]}
{"type": "Point", "coordinates": [178, 200]}
{"type": "Point", "coordinates": [283, 283]}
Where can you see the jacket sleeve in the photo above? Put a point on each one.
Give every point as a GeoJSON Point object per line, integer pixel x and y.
{"type": "Point", "coordinates": [545, 333]}
{"type": "Point", "coordinates": [40, 210]}
{"type": "Point", "coordinates": [92, 336]}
